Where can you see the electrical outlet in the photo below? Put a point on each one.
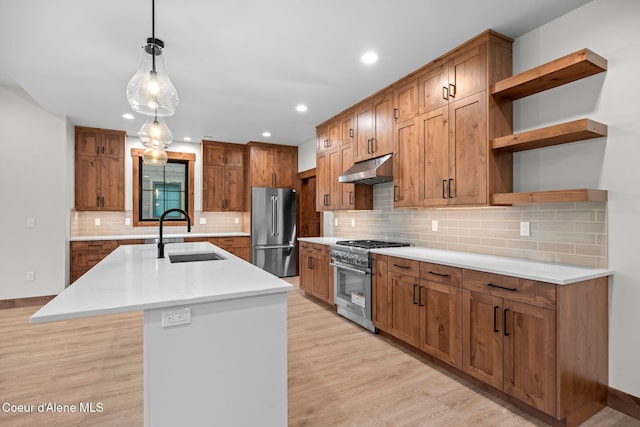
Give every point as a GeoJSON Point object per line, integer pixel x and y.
{"type": "Point", "coordinates": [434, 225]}
{"type": "Point", "coordinates": [31, 276]}
{"type": "Point", "coordinates": [31, 223]}
{"type": "Point", "coordinates": [237, 220]}
{"type": "Point", "coordinates": [335, 222]}
{"type": "Point", "coordinates": [525, 229]}
{"type": "Point", "coordinates": [203, 221]}
{"type": "Point", "coordinates": [97, 221]}
{"type": "Point", "coordinates": [176, 317]}
{"type": "Point", "coordinates": [353, 222]}
{"type": "Point", "coordinates": [127, 221]}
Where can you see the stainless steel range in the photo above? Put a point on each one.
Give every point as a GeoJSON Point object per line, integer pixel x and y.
{"type": "Point", "coordinates": [351, 260]}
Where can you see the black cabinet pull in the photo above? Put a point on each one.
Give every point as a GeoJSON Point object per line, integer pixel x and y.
{"type": "Point", "coordinates": [350, 133]}
{"type": "Point", "coordinates": [491, 285]}
{"type": "Point", "coordinates": [395, 114]}
{"type": "Point", "coordinates": [102, 201]}
{"type": "Point", "coordinates": [97, 149]}
{"type": "Point", "coordinates": [444, 183]}
{"type": "Point", "coordinates": [420, 296]}
{"type": "Point", "coordinates": [504, 322]}
{"type": "Point", "coordinates": [438, 274]}
{"type": "Point", "coordinates": [395, 193]}
{"type": "Point", "coordinates": [450, 179]}
{"type": "Point", "coordinates": [414, 294]}
{"type": "Point", "coordinates": [495, 318]}
{"type": "Point", "coordinates": [351, 197]}
{"type": "Point", "coordinates": [326, 200]}
{"type": "Point", "coordinates": [445, 93]}
{"type": "Point", "coordinates": [310, 263]}
{"type": "Point", "coordinates": [97, 201]}
{"type": "Point", "coordinates": [401, 266]}
{"type": "Point", "coordinates": [452, 90]}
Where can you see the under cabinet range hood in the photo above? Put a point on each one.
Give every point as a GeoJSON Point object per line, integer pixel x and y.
{"type": "Point", "coordinates": [371, 171]}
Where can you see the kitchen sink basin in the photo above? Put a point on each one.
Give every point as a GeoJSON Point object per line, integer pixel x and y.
{"type": "Point", "coordinates": [195, 256]}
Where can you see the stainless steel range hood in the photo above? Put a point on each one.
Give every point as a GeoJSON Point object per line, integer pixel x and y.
{"type": "Point", "coordinates": [372, 171]}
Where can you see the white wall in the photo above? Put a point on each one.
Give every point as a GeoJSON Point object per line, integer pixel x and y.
{"type": "Point", "coordinates": [307, 155]}
{"type": "Point", "coordinates": [610, 28]}
{"type": "Point", "coordinates": [35, 184]}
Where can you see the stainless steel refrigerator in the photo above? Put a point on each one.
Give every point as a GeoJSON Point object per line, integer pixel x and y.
{"type": "Point", "coordinates": [273, 230]}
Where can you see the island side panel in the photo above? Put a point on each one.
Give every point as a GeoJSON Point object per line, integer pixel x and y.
{"type": "Point", "coordinates": [227, 367]}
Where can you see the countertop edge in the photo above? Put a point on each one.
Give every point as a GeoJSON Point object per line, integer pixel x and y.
{"type": "Point", "coordinates": [567, 274]}
{"type": "Point", "coordinates": [155, 236]}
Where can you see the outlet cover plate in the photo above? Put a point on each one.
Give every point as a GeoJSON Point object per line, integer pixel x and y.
{"type": "Point", "coordinates": [176, 317]}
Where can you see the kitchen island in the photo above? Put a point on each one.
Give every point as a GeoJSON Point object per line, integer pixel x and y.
{"type": "Point", "coordinates": [215, 332]}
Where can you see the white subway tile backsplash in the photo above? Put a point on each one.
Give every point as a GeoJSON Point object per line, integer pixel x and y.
{"type": "Point", "coordinates": [567, 233]}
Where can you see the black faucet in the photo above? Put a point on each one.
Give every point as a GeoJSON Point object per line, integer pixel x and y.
{"type": "Point", "coordinates": [160, 242]}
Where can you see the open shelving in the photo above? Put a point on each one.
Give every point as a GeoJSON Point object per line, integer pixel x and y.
{"type": "Point", "coordinates": [569, 68]}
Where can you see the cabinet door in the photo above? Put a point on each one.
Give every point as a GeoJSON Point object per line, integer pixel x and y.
{"type": "Point", "coordinates": [529, 355]}
{"type": "Point", "coordinates": [405, 101]}
{"type": "Point", "coordinates": [304, 267]}
{"type": "Point", "coordinates": [404, 316]}
{"type": "Point", "coordinates": [113, 144]}
{"type": "Point", "coordinates": [468, 150]}
{"type": "Point", "coordinates": [87, 183]}
{"type": "Point", "coordinates": [434, 142]}
{"type": "Point", "coordinates": [383, 126]}
{"type": "Point", "coordinates": [335, 131]}
{"type": "Point", "coordinates": [88, 142]}
{"type": "Point", "coordinates": [441, 320]}
{"type": "Point", "coordinates": [285, 169]}
{"type": "Point", "coordinates": [334, 166]}
{"type": "Point", "coordinates": [364, 132]}
{"type": "Point", "coordinates": [213, 188]}
{"type": "Point", "coordinates": [322, 182]}
{"type": "Point", "coordinates": [234, 157]}
{"type": "Point", "coordinates": [322, 139]}
{"type": "Point", "coordinates": [319, 278]}
{"type": "Point", "coordinates": [345, 191]}
{"type": "Point", "coordinates": [482, 337]}
{"type": "Point", "coordinates": [261, 167]}
{"type": "Point", "coordinates": [234, 189]}
{"type": "Point", "coordinates": [380, 309]}
{"type": "Point", "coordinates": [407, 165]}
{"type": "Point", "coordinates": [112, 183]}
{"type": "Point", "coordinates": [433, 90]}
{"type": "Point", "coordinates": [347, 129]}
{"type": "Point", "coordinates": [213, 153]}
{"type": "Point", "coordinates": [467, 74]}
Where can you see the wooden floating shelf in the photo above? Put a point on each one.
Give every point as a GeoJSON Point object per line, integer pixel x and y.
{"type": "Point", "coordinates": [575, 66]}
{"type": "Point", "coordinates": [563, 133]}
{"type": "Point", "coordinates": [555, 196]}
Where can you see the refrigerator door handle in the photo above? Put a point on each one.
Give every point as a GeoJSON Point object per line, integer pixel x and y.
{"type": "Point", "coordinates": [277, 219]}
{"type": "Point", "coordinates": [266, 247]}
{"type": "Point", "coordinates": [273, 216]}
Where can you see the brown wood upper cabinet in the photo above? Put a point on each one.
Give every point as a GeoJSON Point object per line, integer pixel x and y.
{"type": "Point", "coordinates": [373, 122]}
{"type": "Point", "coordinates": [442, 156]}
{"type": "Point", "coordinates": [99, 169]}
{"type": "Point", "coordinates": [272, 165]}
{"type": "Point", "coordinates": [223, 188]}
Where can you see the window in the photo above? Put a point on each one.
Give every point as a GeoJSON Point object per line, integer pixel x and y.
{"type": "Point", "coordinates": [158, 188]}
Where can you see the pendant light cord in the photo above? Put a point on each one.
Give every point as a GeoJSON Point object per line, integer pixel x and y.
{"type": "Point", "coordinates": [153, 35]}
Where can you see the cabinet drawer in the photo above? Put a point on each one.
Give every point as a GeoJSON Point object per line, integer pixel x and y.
{"type": "Point", "coordinates": [451, 276]}
{"type": "Point", "coordinates": [522, 290]}
{"type": "Point", "coordinates": [305, 246]}
{"type": "Point", "coordinates": [405, 266]}
{"type": "Point", "coordinates": [98, 245]}
{"type": "Point", "coordinates": [230, 242]}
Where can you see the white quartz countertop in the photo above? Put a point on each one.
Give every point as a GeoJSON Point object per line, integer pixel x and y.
{"type": "Point", "coordinates": [321, 240]}
{"type": "Point", "coordinates": [155, 236]}
{"type": "Point", "coordinates": [132, 278]}
{"type": "Point", "coordinates": [544, 272]}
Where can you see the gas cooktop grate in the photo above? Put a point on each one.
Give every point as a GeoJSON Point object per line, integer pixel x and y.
{"type": "Point", "coordinates": [371, 244]}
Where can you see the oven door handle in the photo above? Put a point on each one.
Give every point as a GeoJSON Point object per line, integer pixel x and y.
{"type": "Point", "coordinates": [353, 270]}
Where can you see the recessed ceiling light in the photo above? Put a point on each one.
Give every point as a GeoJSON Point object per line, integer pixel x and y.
{"type": "Point", "coordinates": [369, 58]}
{"type": "Point", "coordinates": [266, 134]}
{"type": "Point", "coordinates": [128, 116]}
{"type": "Point", "coordinates": [187, 138]}
{"type": "Point", "coordinates": [301, 108]}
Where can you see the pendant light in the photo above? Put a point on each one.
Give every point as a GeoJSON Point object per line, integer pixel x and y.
{"type": "Point", "coordinates": [155, 132]}
{"type": "Point", "coordinates": [150, 91]}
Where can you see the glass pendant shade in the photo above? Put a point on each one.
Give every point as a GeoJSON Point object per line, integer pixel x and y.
{"type": "Point", "coordinates": [155, 156]}
{"type": "Point", "coordinates": [155, 133]}
{"type": "Point", "coordinates": [150, 90]}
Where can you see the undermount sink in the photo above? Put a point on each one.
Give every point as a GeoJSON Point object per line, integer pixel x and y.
{"type": "Point", "coordinates": [195, 256]}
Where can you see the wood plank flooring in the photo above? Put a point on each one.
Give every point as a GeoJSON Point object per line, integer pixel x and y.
{"type": "Point", "coordinates": [339, 375]}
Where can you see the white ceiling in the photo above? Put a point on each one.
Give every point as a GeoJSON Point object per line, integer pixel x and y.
{"type": "Point", "coordinates": [240, 67]}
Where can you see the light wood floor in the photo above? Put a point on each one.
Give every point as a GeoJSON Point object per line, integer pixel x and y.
{"type": "Point", "coordinates": [339, 375]}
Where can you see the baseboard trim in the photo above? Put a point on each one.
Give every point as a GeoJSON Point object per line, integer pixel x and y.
{"type": "Point", "coordinates": [623, 402]}
{"type": "Point", "coordinates": [25, 302]}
